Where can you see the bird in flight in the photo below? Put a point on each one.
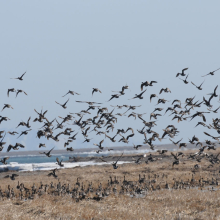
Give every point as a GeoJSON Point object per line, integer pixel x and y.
{"type": "Point", "coordinates": [95, 90]}
{"type": "Point", "coordinates": [7, 106]}
{"type": "Point", "coordinates": [90, 103]}
{"type": "Point", "coordinates": [139, 95]}
{"type": "Point", "coordinates": [64, 105]}
{"type": "Point", "coordinates": [211, 73]}
{"type": "Point", "coordinates": [72, 93]}
{"type": "Point", "coordinates": [20, 78]}
{"type": "Point", "coordinates": [19, 90]}
{"type": "Point", "coordinates": [53, 173]}
{"type": "Point", "coordinates": [48, 153]}
{"type": "Point", "coordinates": [4, 160]}
{"type": "Point", "coordinates": [114, 164]}
{"type": "Point", "coordinates": [182, 73]}
{"type": "Point", "coordinates": [198, 87]}
{"type": "Point", "coordinates": [59, 162]}
{"type": "Point", "coordinates": [185, 80]}
{"type": "Point", "coordinates": [11, 90]}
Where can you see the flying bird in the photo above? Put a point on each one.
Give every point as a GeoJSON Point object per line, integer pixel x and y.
{"type": "Point", "coordinates": [147, 84]}
{"type": "Point", "coordinates": [185, 80]}
{"type": "Point", "coordinates": [11, 90]}
{"type": "Point", "coordinates": [4, 160]}
{"type": "Point", "coordinates": [20, 78]}
{"type": "Point", "coordinates": [114, 164]}
{"type": "Point", "coordinates": [64, 105]}
{"type": "Point", "coordinates": [48, 153]}
{"type": "Point", "coordinates": [53, 173]}
{"type": "Point", "coordinates": [72, 93]}
{"type": "Point", "coordinates": [24, 133]}
{"type": "Point", "coordinates": [139, 95]}
{"type": "Point", "coordinates": [7, 106]}
{"type": "Point", "coordinates": [19, 91]}
{"type": "Point", "coordinates": [211, 73]}
{"type": "Point", "coordinates": [95, 90]}
{"type": "Point", "coordinates": [59, 162]}
{"type": "Point", "coordinates": [200, 86]}
{"type": "Point", "coordinates": [182, 73]}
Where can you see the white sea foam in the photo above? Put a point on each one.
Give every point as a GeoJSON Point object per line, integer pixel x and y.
{"type": "Point", "coordinates": [13, 166]}
{"type": "Point", "coordinates": [113, 152]}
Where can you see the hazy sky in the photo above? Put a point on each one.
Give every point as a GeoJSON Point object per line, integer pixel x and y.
{"type": "Point", "coordinates": [79, 45]}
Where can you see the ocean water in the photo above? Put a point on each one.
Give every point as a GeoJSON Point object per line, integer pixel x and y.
{"type": "Point", "coordinates": [32, 160]}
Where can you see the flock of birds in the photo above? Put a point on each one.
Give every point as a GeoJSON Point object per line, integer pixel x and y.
{"type": "Point", "coordinates": [116, 186]}
{"type": "Point", "coordinates": [103, 123]}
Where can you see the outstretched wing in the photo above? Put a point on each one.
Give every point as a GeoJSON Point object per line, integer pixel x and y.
{"type": "Point", "coordinates": [174, 155]}
{"type": "Point", "coordinates": [3, 137]}
{"type": "Point", "coordinates": [22, 75]}
{"type": "Point", "coordinates": [65, 94]}
{"type": "Point", "coordinates": [119, 158]}
{"type": "Point", "coordinates": [6, 158]}
{"type": "Point", "coordinates": [51, 150]}
{"type": "Point", "coordinates": [205, 75]}
{"type": "Point", "coordinates": [202, 83]}
{"type": "Point", "coordinates": [207, 134]}
{"type": "Point", "coordinates": [184, 69]}
{"type": "Point", "coordinates": [103, 160]}
{"type": "Point", "coordinates": [9, 147]}
{"type": "Point", "coordinates": [193, 83]}
{"type": "Point", "coordinates": [66, 102]}
{"type": "Point", "coordinates": [216, 70]}
{"type": "Point", "coordinates": [143, 92]}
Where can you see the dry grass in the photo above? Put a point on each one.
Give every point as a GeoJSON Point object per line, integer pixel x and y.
{"type": "Point", "coordinates": [187, 204]}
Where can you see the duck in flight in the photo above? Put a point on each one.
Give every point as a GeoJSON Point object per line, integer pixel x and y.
{"type": "Point", "coordinates": [95, 90]}
{"type": "Point", "coordinates": [24, 132]}
{"type": "Point", "coordinates": [211, 73]}
{"type": "Point", "coordinates": [4, 160]}
{"type": "Point", "coordinates": [90, 103]}
{"type": "Point", "coordinates": [11, 90]}
{"type": "Point", "coordinates": [100, 145]}
{"type": "Point", "coordinates": [198, 87]}
{"type": "Point", "coordinates": [53, 173]}
{"type": "Point", "coordinates": [48, 153]}
{"type": "Point", "coordinates": [64, 105]}
{"type": "Point", "coordinates": [139, 95]}
{"type": "Point", "coordinates": [185, 80]}
{"type": "Point", "coordinates": [59, 162]}
{"type": "Point", "coordinates": [114, 164]}
{"type": "Point", "coordinates": [19, 91]}
{"type": "Point", "coordinates": [20, 78]}
{"type": "Point", "coordinates": [72, 93]}
{"type": "Point", "coordinates": [147, 84]}
{"type": "Point", "coordinates": [182, 73]}
{"type": "Point", "coordinates": [7, 106]}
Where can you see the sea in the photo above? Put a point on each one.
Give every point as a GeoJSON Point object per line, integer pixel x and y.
{"type": "Point", "coordinates": [33, 160]}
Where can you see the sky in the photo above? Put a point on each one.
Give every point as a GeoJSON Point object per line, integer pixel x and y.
{"type": "Point", "coordinates": [80, 45]}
